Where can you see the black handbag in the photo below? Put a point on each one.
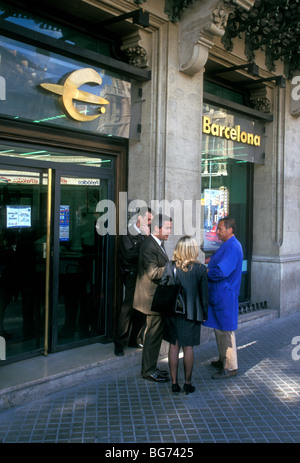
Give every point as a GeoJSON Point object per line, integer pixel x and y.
{"type": "Point", "coordinates": [169, 298]}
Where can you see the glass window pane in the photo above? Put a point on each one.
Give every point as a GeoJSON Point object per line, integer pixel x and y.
{"type": "Point", "coordinates": [23, 207]}
{"type": "Point", "coordinates": [83, 265]}
{"type": "Point", "coordinates": [225, 193]}
{"type": "Point", "coordinates": [227, 134]}
{"type": "Point", "coordinates": [45, 88]}
{"type": "Point", "coordinates": [226, 165]}
{"type": "Point", "coordinates": [31, 21]}
{"type": "Point", "coordinates": [43, 154]}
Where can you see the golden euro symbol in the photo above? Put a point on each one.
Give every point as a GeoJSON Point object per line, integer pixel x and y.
{"type": "Point", "coordinates": [69, 92]}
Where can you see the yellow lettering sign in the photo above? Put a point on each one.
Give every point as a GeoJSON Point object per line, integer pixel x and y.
{"type": "Point", "coordinates": [230, 133]}
{"type": "Point", "coordinates": [206, 124]}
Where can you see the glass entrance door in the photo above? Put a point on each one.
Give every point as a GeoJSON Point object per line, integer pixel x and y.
{"type": "Point", "coordinates": [23, 219]}
{"type": "Point", "coordinates": [82, 262]}
{"type": "Point", "coordinates": [55, 283]}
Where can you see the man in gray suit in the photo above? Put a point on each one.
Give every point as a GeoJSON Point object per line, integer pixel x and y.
{"type": "Point", "coordinates": [151, 264]}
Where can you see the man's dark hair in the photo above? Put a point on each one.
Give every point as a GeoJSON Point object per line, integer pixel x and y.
{"type": "Point", "coordinates": [159, 220]}
{"type": "Point", "coordinates": [143, 211]}
{"type": "Point", "coordinates": [229, 223]}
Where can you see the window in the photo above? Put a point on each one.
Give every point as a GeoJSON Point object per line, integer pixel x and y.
{"type": "Point", "coordinates": [104, 108]}
{"type": "Point", "coordinates": [230, 145]}
{"type": "Point", "coordinates": [55, 30]}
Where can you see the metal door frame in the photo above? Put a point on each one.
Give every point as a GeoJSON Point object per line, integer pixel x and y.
{"type": "Point", "coordinates": [78, 171]}
{"type": "Point", "coordinates": [76, 143]}
{"type": "Point", "coordinates": [5, 164]}
{"type": "Point", "coordinates": [54, 172]}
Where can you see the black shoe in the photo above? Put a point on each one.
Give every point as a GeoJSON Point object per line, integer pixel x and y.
{"type": "Point", "coordinates": [176, 388]}
{"type": "Point", "coordinates": [217, 364]}
{"type": "Point", "coordinates": [135, 345]}
{"type": "Point", "coordinates": [224, 374]}
{"type": "Point", "coordinates": [188, 388]}
{"type": "Point", "coordinates": [162, 372]}
{"type": "Point", "coordinates": [155, 376]}
{"type": "Point", "coordinates": [119, 351]}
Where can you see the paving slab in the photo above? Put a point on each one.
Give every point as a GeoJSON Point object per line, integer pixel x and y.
{"type": "Point", "coordinates": [260, 405]}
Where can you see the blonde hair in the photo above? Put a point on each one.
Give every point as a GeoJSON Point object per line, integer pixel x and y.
{"type": "Point", "coordinates": [186, 252]}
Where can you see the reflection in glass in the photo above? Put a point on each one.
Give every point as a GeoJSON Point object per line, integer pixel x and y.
{"type": "Point", "coordinates": [24, 68]}
{"type": "Point", "coordinates": [79, 313]}
{"type": "Point", "coordinates": [221, 131]}
{"type": "Point", "coordinates": [225, 179]}
{"type": "Point", "coordinates": [82, 261]}
{"type": "Point", "coordinates": [33, 22]}
{"type": "Point", "coordinates": [23, 205]}
{"type": "Point", "coordinates": [226, 192]}
{"type": "Point", "coordinates": [22, 152]}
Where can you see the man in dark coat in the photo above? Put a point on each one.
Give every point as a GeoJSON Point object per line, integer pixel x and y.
{"type": "Point", "coordinates": [130, 321]}
{"type": "Point", "coordinates": [224, 280]}
{"type": "Point", "coordinates": [152, 261]}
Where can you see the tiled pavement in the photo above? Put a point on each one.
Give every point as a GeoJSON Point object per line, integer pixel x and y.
{"type": "Point", "coordinates": [260, 405]}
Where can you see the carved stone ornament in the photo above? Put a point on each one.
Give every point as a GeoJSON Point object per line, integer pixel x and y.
{"type": "Point", "coordinates": [198, 25]}
{"type": "Point", "coordinates": [137, 56]}
{"type": "Point", "coordinates": [261, 104]}
{"type": "Point", "coordinates": [220, 18]}
{"type": "Point", "coordinates": [136, 53]}
{"type": "Point", "coordinates": [260, 98]}
{"type": "Point", "coordinates": [272, 26]}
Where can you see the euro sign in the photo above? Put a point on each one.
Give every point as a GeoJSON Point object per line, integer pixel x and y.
{"type": "Point", "coordinates": [69, 91]}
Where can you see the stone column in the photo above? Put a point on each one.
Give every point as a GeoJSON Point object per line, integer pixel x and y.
{"type": "Point", "coordinates": [276, 244]}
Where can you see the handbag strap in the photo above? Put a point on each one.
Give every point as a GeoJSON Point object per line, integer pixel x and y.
{"type": "Point", "coordinates": [174, 271]}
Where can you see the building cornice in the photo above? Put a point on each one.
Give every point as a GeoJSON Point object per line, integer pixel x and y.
{"type": "Point", "coordinates": [198, 26]}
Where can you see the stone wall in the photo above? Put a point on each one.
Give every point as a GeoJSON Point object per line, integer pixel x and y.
{"type": "Point", "coordinates": [165, 162]}
{"type": "Point", "coordinates": [276, 240]}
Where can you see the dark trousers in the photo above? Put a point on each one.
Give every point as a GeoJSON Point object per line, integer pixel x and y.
{"type": "Point", "coordinates": [152, 342]}
{"type": "Point", "coordinates": [130, 322]}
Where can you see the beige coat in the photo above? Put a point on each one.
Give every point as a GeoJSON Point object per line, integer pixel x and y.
{"type": "Point", "coordinates": [152, 261]}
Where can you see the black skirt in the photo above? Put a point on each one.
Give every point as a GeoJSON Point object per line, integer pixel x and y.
{"type": "Point", "coordinates": [186, 331]}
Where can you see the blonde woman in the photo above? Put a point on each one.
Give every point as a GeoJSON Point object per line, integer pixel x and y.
{"type": "Point", "coordinates": [183, 330]}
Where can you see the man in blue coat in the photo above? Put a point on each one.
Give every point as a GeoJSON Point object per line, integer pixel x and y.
{"type": "Point", "coordinates": [224, 280]}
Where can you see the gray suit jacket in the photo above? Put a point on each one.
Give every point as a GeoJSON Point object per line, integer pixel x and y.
{"type": "Point", "coordinates": [151, 264]}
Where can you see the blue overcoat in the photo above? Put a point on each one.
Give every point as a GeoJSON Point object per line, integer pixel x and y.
{"type": "Point", "coordinates": [224, 281]}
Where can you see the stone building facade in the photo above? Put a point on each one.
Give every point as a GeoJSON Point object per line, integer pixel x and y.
{"type": "Point", "coordinates": [171, 141]}
{"type": "Point", "coordinates": [191, 59]}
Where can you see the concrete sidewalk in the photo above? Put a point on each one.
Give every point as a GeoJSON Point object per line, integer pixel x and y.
{"type": "Point", "coordinates": [30, 379]}
{"type": "Point", "coordinates": [261, 404]}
